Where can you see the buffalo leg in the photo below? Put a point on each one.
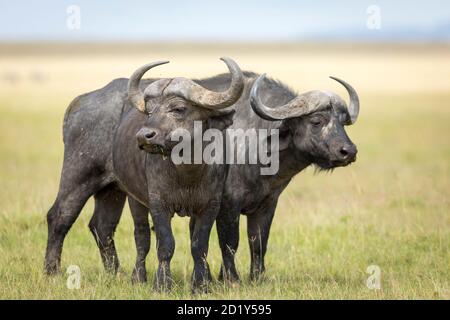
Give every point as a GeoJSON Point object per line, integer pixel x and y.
{"type": "Point", "coordinates": [109, 204]}
{"type": "Point", "coordinates": [191, 227]}
{"type": "Point", "coordinates": [227, 224]}
{"type": "Point", "coordinates": [165, 244]}
{"type": "Point", "coordinates": [258, 228]}
{"type": "Point", "coordinates": [201, 275]}
{"type": "Point", "coordinates": [142, 239]}
{"type": "Point", "coordinates": [71, 198]}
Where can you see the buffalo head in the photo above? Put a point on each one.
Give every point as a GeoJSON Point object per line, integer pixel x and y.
{"type": "Point", "coordinates": [175, 103]}
{"type": "Point", "coordinates": [313, 124]}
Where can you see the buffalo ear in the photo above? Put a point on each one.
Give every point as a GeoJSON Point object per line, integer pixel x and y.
{"type": "Point", "coordinates": [221, 119]}
{"type": "Point", "coordinates": [284, 139]}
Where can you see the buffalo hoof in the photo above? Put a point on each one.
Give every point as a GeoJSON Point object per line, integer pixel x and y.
{"type": "Point", "coordinates": [163, 285]}
{"type": "Point", "coordinates": [256, 276]}
{"type": "Point", "coordinates": [201, 282]}
{"type": "Point", "coordinates": [139, 276]}
{"type": "Point", "coordinates": [230, 276]}
{"type": "Point", "coordinates": [52, 269]}
{"type": "Point", "coordinates": [111, 266]}
{"type": "Point", "coordinates": [201, 287]}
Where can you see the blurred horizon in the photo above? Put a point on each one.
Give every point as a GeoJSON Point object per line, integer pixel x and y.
{"type": "Point", "coordinates": [232, 21]}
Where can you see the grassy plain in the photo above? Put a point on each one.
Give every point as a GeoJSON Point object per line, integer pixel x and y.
{"type": "Point", "coordinates": [391, 208]}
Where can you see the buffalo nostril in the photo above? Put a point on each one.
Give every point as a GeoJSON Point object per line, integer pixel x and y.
{"type": "Point", "coordinates": [150, 134]}
{"type": "Point", "coordinates": [344, 152]}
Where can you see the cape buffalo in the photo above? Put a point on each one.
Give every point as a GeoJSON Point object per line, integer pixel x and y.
{"type": "Point", "coordinates": [102, 158]}
{"type": "Point", "coordinates": [311, 131]}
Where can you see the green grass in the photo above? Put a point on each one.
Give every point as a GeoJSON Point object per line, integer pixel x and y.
{"type": "Point", "coordinates": [391, 209]}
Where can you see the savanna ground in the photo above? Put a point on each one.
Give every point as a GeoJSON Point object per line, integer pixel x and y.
{"type": "Point", "coordinates": [391, 208]}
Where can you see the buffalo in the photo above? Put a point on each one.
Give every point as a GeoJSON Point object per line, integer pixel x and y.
{"type": "Point", "coordinates": [102, 158]}
{"type": "Point", "coordinates": [311, 132]}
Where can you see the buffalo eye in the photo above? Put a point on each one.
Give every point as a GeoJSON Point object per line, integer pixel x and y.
{"type": "Point", "coordinates": [316, 121]}
{"type": "Point", "coordinates": [178, 110]}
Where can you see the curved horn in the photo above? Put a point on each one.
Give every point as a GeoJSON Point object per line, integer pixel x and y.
{"type": "Point", "coordinates": [294, 108]}
{"type": "Point", "coordinates": [353, 108]}
{"type": "Point", "coordinates": [135, 94]}
{"type": "Point", "coordinates": [205, 98]}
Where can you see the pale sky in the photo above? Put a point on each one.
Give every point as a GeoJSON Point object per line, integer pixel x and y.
{"type": "Point", "coordinates": [226, 20]}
